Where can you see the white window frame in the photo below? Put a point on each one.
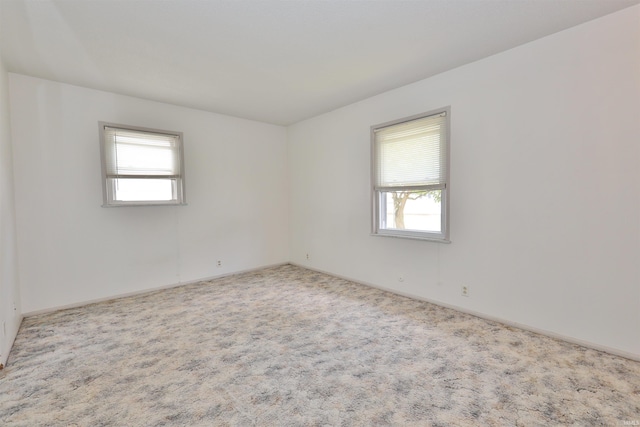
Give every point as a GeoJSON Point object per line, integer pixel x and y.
{"type": "Point", "coordinates": [108, 190]}
{"type": "Point", "coordinates": [378, 205]}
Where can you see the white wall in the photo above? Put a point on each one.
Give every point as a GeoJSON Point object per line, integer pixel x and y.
{"type": "Point", "coordinates": [545, 187]}
{"type": "Point", "coordinates": [10, 313]}
{"type": "Point", "coordinates": [72, 250]}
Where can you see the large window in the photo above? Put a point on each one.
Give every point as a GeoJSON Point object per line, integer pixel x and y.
{"type": "Point", "coordinates": [141, 166]}
{"type": "Point", "coordinates": [410, 176]}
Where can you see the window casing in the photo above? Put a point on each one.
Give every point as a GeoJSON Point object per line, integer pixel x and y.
{"type": "Point", "coordinates": [410, 177]}
{"type": "Point", "coordinates": [141, 166]}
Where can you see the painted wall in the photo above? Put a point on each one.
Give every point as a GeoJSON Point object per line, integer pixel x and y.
{"type": "Point", "coordinates": [10, 313]}
{"type": "Point", "coordinates": [72, 250]}
{"type": "Point", "coordinates": [545, 187]}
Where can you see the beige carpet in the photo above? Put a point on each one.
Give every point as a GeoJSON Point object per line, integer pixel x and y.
{"type": "Point", "coordinates": [290, 347]}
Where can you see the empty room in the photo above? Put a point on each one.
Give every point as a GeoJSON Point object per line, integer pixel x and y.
{"type": "Point", "coordinates": [319, 213]}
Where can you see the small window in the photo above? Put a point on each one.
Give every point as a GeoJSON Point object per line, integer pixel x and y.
{"type": "Point", "coordinates": [141, 166]}
{"type": "Point", "coordinates": [410, 176]}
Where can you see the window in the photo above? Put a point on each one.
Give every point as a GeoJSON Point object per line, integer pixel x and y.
{"type": "Point", "coordinates": [410, 176]}
{"type": "Point", "coordinates": [141, 166]}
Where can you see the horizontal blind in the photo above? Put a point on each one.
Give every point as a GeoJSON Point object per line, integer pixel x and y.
{"type": "Point", "coordinates": [138, 154]}
{"type": "Point", "coordinates": [412, 154]}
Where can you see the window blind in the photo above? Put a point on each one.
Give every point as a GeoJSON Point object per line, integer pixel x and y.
{"type": "Point", "coordinates": [412, 154]}
{"type": "Point", "coordinates": [137, 154]}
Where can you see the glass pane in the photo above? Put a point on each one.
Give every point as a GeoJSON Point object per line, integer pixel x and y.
{"type": "Point", "coordinates": [411, 210]}
{"type": "Point", "coordinates": [143, 190]}
{"type": "Point", "coordinates": [135, 159]}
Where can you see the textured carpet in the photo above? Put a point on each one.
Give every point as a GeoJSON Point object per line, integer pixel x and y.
{"type": "Point", "coordinates": [290, 347]}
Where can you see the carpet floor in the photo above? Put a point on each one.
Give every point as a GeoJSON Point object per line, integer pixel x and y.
{"type": "Point", "coordinates": [286, 346]}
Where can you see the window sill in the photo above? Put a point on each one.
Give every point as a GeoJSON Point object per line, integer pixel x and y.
{"type": "Point", "coordinates": [412, 236]}
{"type": "Point", "coordinates": [128, 205]}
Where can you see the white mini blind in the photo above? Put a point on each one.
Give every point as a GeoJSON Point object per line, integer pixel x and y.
{"type": "Point", "coordinates": [139, 154]}
{"type": "Point", "coordinates": [412, 154]}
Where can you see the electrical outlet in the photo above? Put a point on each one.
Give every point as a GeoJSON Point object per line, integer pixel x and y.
{"type": "Point", "coordinates": [465, 291]}
{"type": "Point", "coordinates": [400, 279]}
{"type": "Point", "coordinates": [4, 329]}
{"type": "Point", "coordinates": [219, 263]}
{"type": "Point", "coordinates": [308, 257]}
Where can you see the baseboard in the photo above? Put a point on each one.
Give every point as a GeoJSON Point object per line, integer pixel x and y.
{"type": "Point", "coordinates": [586, 344]}
{"type": "Point", "coordinates": [572, 340]}
{"type": "Point", "coordinates": [146, 291]}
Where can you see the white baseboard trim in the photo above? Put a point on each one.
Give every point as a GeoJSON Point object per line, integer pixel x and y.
{"type": "Point", "coordinates": [554, 335]}
{"type": "Point", "coordinates": [587, 344]}
{"type": "Point", "coordinates": [146, 291]}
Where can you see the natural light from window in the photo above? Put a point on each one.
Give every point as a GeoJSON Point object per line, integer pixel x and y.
{"type": "Point", "coordinates": [410, 167]}
{"type": "Point", "coordinates": [143, 156]}
{"type": "Point", "coordinates": [141, 166]}
{"type": "Point", "coordinates": [418, 211]}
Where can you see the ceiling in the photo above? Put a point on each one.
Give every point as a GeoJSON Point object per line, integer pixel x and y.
{"type": "Point", "coordinates": [273, 61]}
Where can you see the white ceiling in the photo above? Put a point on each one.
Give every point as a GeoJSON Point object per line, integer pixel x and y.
{"type": "Point", "coordinates": [273, 61]}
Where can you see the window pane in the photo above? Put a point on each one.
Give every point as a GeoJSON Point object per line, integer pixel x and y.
{"type": "Point", "coordinates": [141, 166]}
{"type": "Point", "coordinates": [145, 190]}
{"type": "Point", "coordinates": [144, 160]}
{"type": "Point", "coordinates": [411, 210]}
